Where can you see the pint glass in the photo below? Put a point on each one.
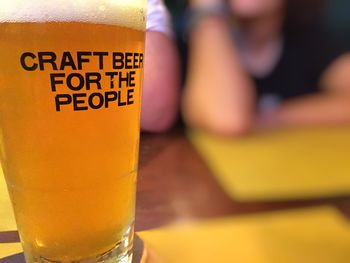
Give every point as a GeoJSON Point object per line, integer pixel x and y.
{"type": "Point", "coordinates": [70, 88]}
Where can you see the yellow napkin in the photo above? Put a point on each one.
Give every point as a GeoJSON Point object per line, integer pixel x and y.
{"type": "Point", "coordinates": [312, 235]}
{"type": "Point", "coordinates": [294, 164]}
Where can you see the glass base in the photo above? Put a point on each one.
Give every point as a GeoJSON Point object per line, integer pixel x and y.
{"type": "Point", "coordinates": [111, 256]}
{"type": "Point", "coordinates": [121, 253]}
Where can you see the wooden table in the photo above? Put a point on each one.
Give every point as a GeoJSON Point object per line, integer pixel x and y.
{"type": "Point", "coordinates": [175, 184]}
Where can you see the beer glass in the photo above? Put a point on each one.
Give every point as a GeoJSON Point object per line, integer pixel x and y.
{"type": "Point", "coordinates": [70, 88]}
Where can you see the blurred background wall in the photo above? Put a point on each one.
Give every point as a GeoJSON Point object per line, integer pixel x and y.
{"type": "Point", "coordinates": [335, 14]}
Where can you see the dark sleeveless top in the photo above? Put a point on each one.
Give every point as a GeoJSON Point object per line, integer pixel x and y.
{"type": "Point", "coordinates": [304, 58]}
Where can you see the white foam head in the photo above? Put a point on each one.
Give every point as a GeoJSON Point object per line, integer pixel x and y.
{"type": "Point", "coordinates": [128, 13]}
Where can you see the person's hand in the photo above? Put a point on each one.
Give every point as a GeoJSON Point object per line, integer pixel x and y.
{"type": "Point", "coordinates": [205, 3]}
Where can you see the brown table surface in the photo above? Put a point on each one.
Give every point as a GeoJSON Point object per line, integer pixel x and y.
{"type": "Point", "coordinates": [175, 184]}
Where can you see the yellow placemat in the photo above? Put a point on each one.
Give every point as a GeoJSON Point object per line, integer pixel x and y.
{"type": "Point", "coordinates": [280, 165]}
{"type": "Point", "coordinates": [312, 235]}
{"type": "Point", "coordinates": [7, 250]}
{"type": "Point", "coordinates": [7, 220]}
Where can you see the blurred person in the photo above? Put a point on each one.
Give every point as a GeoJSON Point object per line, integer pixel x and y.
{"type": "Point", "coordinates": [161, 76]}
{"type": "Point", "coordinates": [255, 72]}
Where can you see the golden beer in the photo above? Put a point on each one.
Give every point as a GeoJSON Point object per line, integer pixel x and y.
{"type": "Point", "coordinates": [69, 126]}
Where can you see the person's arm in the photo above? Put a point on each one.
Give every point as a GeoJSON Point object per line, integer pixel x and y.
{"type": "Point", "coordinates": [161, 83]}
{"type": "Point", "coordinates": [329, 107]}
{"type": "Point", "coordinates": [219, 95]}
